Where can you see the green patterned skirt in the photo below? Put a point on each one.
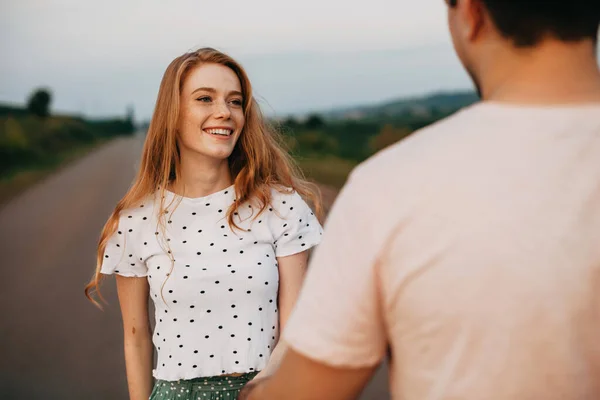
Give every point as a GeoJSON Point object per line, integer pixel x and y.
{"type": "Point", "coordinates": [211, 388]}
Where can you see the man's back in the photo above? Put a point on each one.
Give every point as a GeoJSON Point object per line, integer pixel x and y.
{"type": "Point", "coordinates": [490, 269]}
{"type": "Point", "coordinates": [479, 260]}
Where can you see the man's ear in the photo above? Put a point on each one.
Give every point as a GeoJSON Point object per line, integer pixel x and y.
{"type": "Point", "coordinates": [479, 17]}
{"type": "Point", "coordinates": [474, 17]}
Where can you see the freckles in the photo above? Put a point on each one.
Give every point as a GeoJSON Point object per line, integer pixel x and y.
{"type": "Point", "coordinates": [240, 121]}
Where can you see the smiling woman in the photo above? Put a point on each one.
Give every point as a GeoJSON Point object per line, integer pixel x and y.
{"type": "Point", "coordinates": [212, 114]}
{"type": "Point", "coordinates": [215, 230]}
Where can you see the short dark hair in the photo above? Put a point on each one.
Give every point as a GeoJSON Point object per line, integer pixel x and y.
{"type": "Point", "coordinates": [527, 22]}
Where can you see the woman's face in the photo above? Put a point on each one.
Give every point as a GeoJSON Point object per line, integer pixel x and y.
{"type": "Point", "coordinates": [211, 115]}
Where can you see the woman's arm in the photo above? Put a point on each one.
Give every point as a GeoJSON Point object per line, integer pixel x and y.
{"type": "Point", "coordinates": [291, 275]}
{"type": "Point", "coordinates": [133, 299]}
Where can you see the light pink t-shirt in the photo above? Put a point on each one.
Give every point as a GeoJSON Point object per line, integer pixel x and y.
{"type": "Point", "coordinates": [472, 249]}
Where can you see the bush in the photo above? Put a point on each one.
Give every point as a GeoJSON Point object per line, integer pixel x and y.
{"type": "Point", "coordinates": [14, 137]}
{"type": "Point", "coordinates": [316, 142]}
{"type": "Point", "coordinates": [14, 144]}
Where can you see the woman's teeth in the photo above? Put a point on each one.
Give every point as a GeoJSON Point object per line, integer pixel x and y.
{"type": "Point", "coordinates": [220, 132]}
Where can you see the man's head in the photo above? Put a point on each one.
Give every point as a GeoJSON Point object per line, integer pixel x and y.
{"type": "Point", "coordinates": [479, 26]}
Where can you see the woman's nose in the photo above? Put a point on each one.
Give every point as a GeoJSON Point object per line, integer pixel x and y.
{"type": "Point", "coordinates": [222, 110]}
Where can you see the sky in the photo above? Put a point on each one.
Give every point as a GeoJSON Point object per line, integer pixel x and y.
{"type": "Point", "coordinates": [303, 56]}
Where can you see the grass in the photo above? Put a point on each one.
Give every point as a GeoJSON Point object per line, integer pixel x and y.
{"type": "Point", "coordinates": [16, 181]}
{"type": "Point", "coordinates": [328, 170]}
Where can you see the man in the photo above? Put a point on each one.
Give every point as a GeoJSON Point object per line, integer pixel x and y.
{"type": "Point", "coordinates": [472, 248]}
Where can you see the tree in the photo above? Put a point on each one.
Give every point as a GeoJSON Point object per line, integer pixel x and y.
{"type": "Point", "coordinates": [130, 114]}
{"type": "Point", "coordinates": [129, 119]}
{"type": "Point", "coordinates": [314, 121]}
{"type": "Point", "coordinates": [289, 125]}
{"type": "Point", "coordinates": [39, 103]}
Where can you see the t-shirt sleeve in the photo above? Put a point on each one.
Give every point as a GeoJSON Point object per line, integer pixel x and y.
{"type": "Point", "coordinates": [295, 226]}
{"type": "Point", "coordinates": [338, 319]}
{"type": "Point", "coordinates": [120, 255]}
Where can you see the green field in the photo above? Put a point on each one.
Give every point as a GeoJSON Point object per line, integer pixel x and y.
{"type": "Point", "coordinates": [328, 170]}
{"type": "Point", "coordinates": [33, 146]}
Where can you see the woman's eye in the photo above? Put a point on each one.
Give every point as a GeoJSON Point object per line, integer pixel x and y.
{"type": "Point", "coordinates": [204, 99]}
{"type": "Point", "coordinates": [237, 102]}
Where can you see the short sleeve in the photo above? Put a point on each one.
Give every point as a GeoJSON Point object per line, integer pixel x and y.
{"type": "Point", "coordinates": [338, 319]}
{"type": "Point", "coordinates": [295, 226]}
{"type": "Point", "coordinates": [120, 255]}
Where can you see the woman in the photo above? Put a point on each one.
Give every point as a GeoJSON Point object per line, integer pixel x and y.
{"type": "Point", "coordinates": [214, 230]}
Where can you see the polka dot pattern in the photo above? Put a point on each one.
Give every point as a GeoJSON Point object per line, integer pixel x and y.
{"type": "Point", "coordinates": [220, 292]}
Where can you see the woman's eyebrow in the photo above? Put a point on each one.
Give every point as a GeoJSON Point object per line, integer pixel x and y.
{"type": "Point", "coordinates": [211, 90]}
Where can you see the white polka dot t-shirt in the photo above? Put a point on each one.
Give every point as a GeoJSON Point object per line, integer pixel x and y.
{"type": "Point", "coordinates": [217, 311]}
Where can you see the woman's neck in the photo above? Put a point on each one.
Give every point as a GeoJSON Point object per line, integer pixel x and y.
{"type": "Point", "coordinates": [199, 179]}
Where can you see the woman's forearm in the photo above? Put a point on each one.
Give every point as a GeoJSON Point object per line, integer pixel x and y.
{"type": "Point", "coordinates": [138, 361]}
{"type": "Point", "coordinates": [274, 359]}
{"type": "Point", "coordinates": [291, 275]}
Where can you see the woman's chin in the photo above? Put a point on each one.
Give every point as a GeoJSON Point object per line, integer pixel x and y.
{"type": "Point", "coordinates": [220, 155]}
{"type": "Point", "coordinates": [212, 153]}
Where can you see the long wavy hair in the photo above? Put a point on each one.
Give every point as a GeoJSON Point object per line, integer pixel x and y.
{"type": "Point", "coordinates": [258, 163]}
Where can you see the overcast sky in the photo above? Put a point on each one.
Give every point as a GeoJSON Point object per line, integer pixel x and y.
{"type": "Point", "coordinates": [98, 57]}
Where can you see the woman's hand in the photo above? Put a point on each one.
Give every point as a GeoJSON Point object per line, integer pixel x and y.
{"type": "Point", "coordinates": [248, 391]}
{"type": "Point", "coordinates": [260, 375]}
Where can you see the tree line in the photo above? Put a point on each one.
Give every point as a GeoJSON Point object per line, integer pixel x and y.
{"type": "Point", "coordinates": [32, 135]}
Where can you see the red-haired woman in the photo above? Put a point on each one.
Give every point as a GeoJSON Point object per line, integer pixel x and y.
{"type": "Point", "coordinates": [215, 230]}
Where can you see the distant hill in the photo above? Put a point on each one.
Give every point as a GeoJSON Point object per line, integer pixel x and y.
{"type": "Point", "coordinates": [437, 103]}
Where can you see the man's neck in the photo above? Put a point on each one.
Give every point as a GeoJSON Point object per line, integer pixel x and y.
{"type": "Point", "coordinates": [551, 73]}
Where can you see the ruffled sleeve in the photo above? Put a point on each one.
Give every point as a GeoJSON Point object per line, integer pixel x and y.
{"type": "Point", "coordinates": [295, 226]}
{"type": "Point", "coordinates": [121, 255]}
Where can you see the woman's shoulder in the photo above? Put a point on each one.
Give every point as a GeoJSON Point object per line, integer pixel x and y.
{"type": "Point", "coordinates": [286, 200]}
{"type": "Point", "coordinates": [281, 192]}
{"type": "Point", "coordinates": [284, 197]}
{"type": "Point", "coordinates": [294, 224]}
{"type": "Point", "coordinates": [144, 208]}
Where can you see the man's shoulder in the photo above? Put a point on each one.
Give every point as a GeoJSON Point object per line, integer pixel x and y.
{"type": "Point", "coordinates": [416, 151]}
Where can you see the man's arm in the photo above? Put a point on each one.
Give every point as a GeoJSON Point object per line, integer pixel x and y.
{"type": "Point", "coordinates": [300, 378]}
